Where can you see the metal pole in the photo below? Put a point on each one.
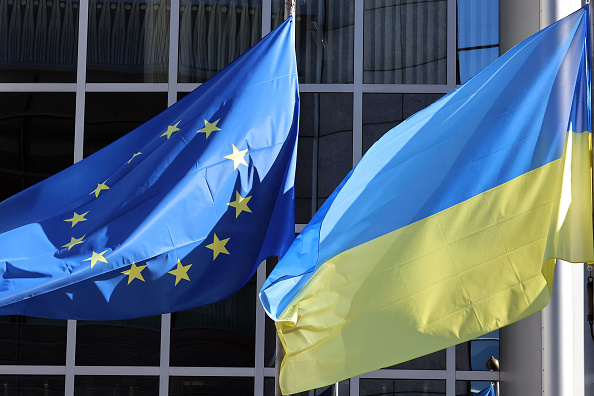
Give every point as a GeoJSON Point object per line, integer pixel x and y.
{"type": "Point", "coordinates": [289, 8]}
{"type": "Point", "coordinates": [280, 352]}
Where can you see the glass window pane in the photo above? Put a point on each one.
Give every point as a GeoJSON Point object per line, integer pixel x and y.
{"type": "Point", "coordinates": [131, 342]}
{"type": "Point", "coordinates": [128, 41]}
{"type": "Point", "coordinates": [216, 335]}
{"type": "Point", "coordinates": [112, 385]}
{"type": "Point", "coordinates": [269, 342]}
{"type": "Point", "coordinates": [433, 361]}
{"type": "Point", "coordinates": [211, 386]}
{"type": "Point", "coordinates": [401, 387]}
{"type": "Point", "coordinates": [335, 147]}
{"type": "Point", "coordinates": [26, 385]}
{"type": "Point", "coordinates": [38, 40]}
{"type": "Point", "coordinates": [308, 127]}
{"type": "Point", "coordinates": [28, 340]}
{"type": "Point", "coordinates": [269, 327]}
{"type": "Point", "coordinates": [303, 179]}
{"type": "Point", "coordinates": [36, 138]}
{"type": "Point", "coordinates": [325, 149]}
{"type": "Point", "coordinates": [404, 42]}
{"type": "Point", "coordinates": [469, 388]}
{"type": "Point", "coordinates": [382, 112]}
{"type": "Point", "coordinates": [474, 354]}
{"type": "Point", "coordinates": [324, 39]}
{"type": "Point", "coordinates": [214, 34]}
{"type": "Point", "coordinates": [111, 115]}
{"type": "Point", "coordinates": [472, 61]}
{"type": "Point", "coordinates": [478, 36]}
{"type": "Point", "coordinates": [269, 386]}
{"type": "Point", "coordinates": [343, 389]}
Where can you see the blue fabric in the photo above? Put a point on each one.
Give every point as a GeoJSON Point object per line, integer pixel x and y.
{"type": "Point", "coordinates": [506, 121]}
{"type": "Point", "coordinates": [165, 204]}
{"type": "Point", "coordinates": [489, 391]}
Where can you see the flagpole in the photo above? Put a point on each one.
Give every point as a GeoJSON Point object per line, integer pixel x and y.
{"type": "Point", "coordinates": [280, 352]}
{"type": "Point", "coordinates": [289, 8]}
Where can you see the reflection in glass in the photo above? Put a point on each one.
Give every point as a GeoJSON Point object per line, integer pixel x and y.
{"type": "Point", "coordinates": [112, 385]}
{"type": "Point", "coordinates": [324, 39]}
{"type": "Point", "coordinates": [28, 340]}
{"type": "Point", "coordinates": [382, 112]}
{"type": "Point", "coordinates": [474, 354]}
{"type": "Point", "coordinates": [343, 389]}
{"type": "Point", "coordinates": [269, 327]}
{"type": "Point", "coordinates": [478, 36]}
{"type": "Point", "coordinates": [269, 342]}
{"type": "Point", "coordinates": [131, 342]}
{"type": "Point", "coordinates": [308, 130]}
{"type": "Point", "coordinates": [399, 387]}
{"type": "Point", "coordinates": [404, 42]}
{"type": "Point", "coordinates": [214, 33]}
{"type": "Point", "coordinates": [38, 40]}
{"type": "Point", "coordinates": [335, 155]}
{"type": "Point", "coordinates": [211, 386]}
{"type": "Point", "coordinates": [111, 115]}
{"type": "Point", "coordinates": [325, 151]}
{"type": "Point", "coordinates": [269, 386]}
{"type": "Point", "coordinates": [128, 41]}
{"type": "Point", "coordinates": [469, 388]}
{"type": "Point", "coordinates": [216, 335]}
{"type": "Point", "coordinates": [36, 138]}
{"type": "Point", "coordinates": [433, 361]}
{"type": "Point", "coordinates": [46, 385]}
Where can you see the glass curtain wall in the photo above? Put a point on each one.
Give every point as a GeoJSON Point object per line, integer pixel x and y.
{"type": "Point", "coordinates": [75, 75]}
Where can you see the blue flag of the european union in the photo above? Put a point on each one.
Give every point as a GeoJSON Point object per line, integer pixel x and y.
{"type": "Point", "coordinates": [176, 214]}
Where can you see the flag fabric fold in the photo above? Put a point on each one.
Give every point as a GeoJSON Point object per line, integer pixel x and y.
{"type": "Point", "coordinates": [449, 226]}
{"type": "Point", "coordinates": [488, 391]}
{"type": "Point", "coordinates": [177, 213]}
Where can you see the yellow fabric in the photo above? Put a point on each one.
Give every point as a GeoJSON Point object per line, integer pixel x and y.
{"type": "Point", "coordinates": [463, 272]}
{"type": "Point", "coordinates": [572, 236]}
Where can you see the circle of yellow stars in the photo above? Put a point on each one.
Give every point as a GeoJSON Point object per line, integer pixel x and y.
{"type": "Point", "coordinates": [217, 246]}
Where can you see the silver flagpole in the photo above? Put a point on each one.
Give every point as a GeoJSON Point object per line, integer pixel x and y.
{"type": "Point", "coordinates": [289, 8]}
{"type": "Point", "coordinates": [280, 352]}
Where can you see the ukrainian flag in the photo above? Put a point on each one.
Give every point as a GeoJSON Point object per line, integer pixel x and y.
{"type": "Point", "coordinates": [450, 225]}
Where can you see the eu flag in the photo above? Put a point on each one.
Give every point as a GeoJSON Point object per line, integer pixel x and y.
{"type": "Point", "coordinates": [177, 213]}
{"type": "Point", "coordinates": [449, 227]}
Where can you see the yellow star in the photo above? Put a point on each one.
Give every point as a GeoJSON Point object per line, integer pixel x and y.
{"type": "Point", "coordinates": [134, 156]}
{"type": "Point", "coordinates": [218, 246]}
{"type": "Point", "coordinates": [240, 204]}
{"type": "Point", "coordinates": [97, 191]}
{"type": "Point", "coordinates": [134, 272]}
{"type": "Point", "coordinates": [209, 128]}
{"type": "Point", "coordinates": [171, 129]}
{"type": "Point", "coordinates": [180, 272]}
{"type": "Point", "coordinates": [97, 257]}
{"type": "Point", "coordinates": [74, 241]}
{"type": "Point", "coordinates": [77, 218]}
{"type": "Point", "coordinates": [237, 157]}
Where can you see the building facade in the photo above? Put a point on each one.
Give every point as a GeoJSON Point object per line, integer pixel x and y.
{"type": "Point", "coordinates": [75, 75]}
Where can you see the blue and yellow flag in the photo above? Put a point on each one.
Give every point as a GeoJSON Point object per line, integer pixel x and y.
{"type": "Point", "coordinates": [176, 214]}
{"type": "Point", "coordinates": [488, 391]}
{"type": "Point", "coordinates": [448, 228]}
